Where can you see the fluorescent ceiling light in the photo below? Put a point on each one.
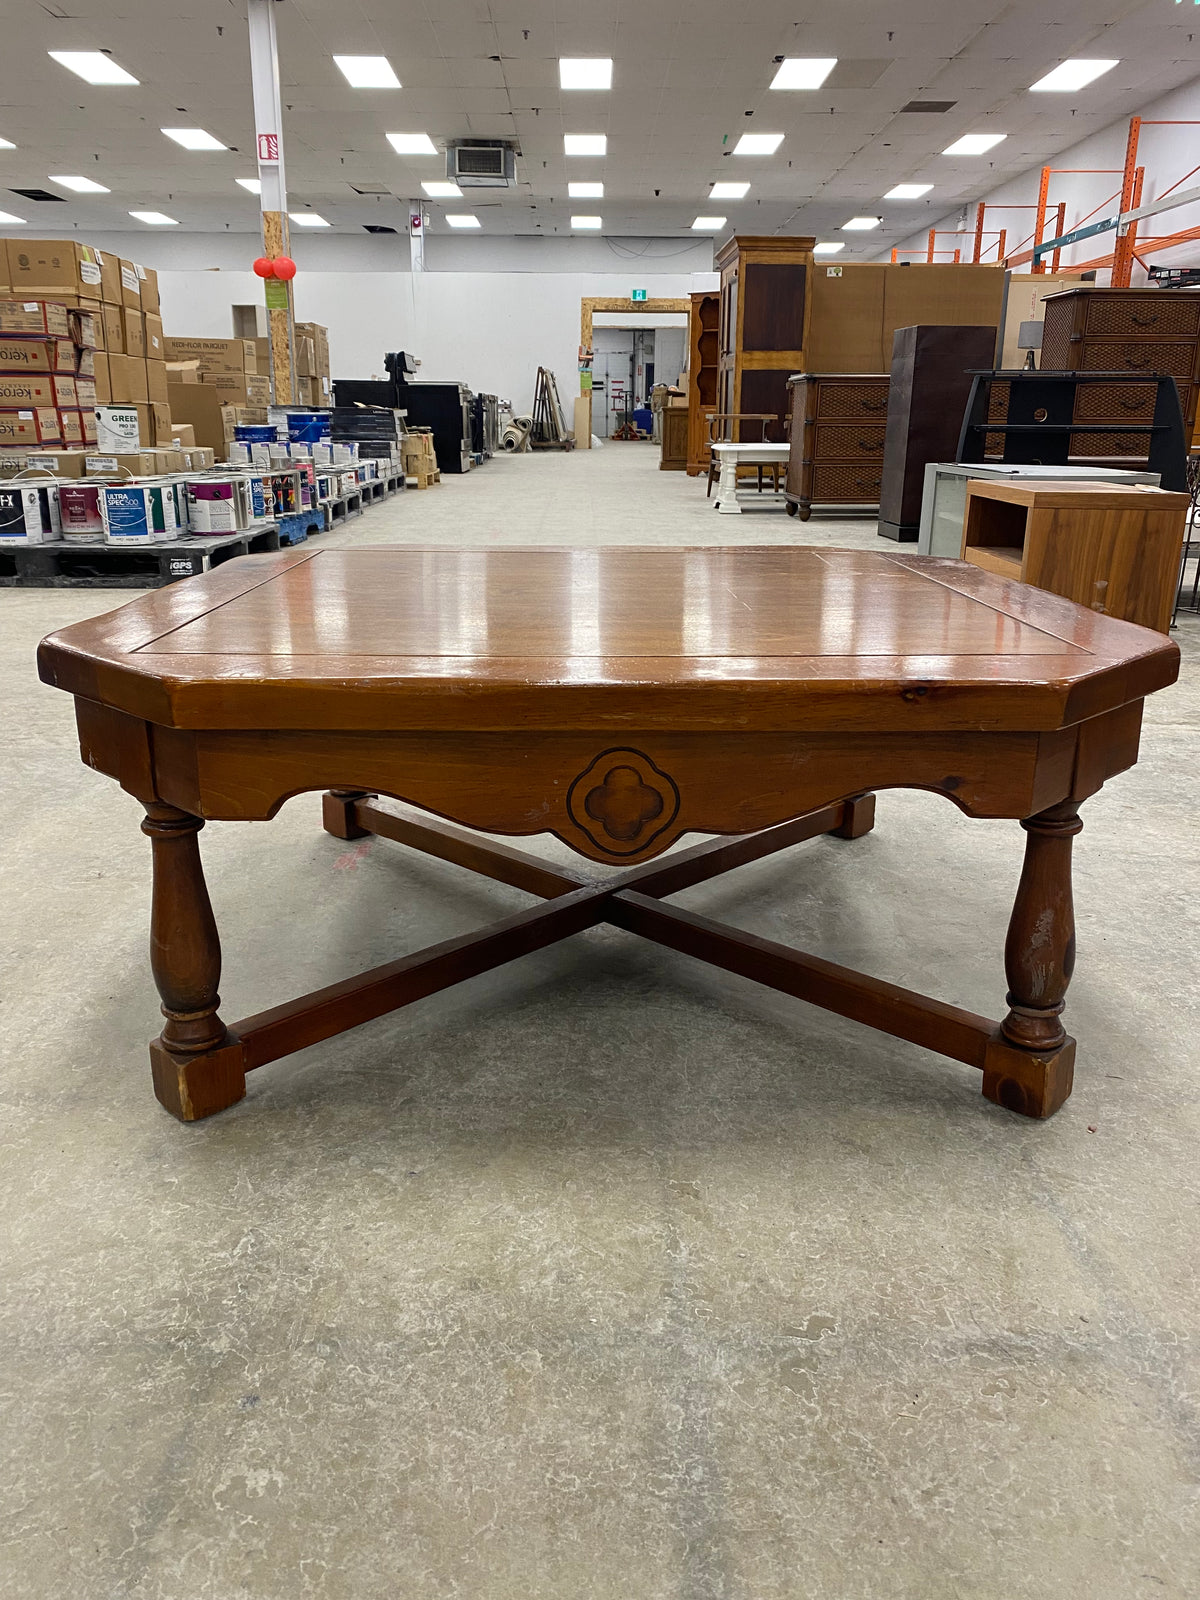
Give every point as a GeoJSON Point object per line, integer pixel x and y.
{"type": "Point", "coordinates": [803, 72]}
{"type": "Point", "coordinates": [193, 138]}
{"type": "Point", "coordinates": [587, 224]}
{"type": "Point", "coordinates": [442, 191]}
{"type": "Point", "coordinates": [973, 144]}
{"type": "Point", "coordinates": [7, 144]}
{"type": "Point", "coordinates": [758, 144]}
{"type": "Point", "coordinates": [155, 219]}
{"type": "Point", "coordinates": [908, 191]}
{"type": "Point", "coordinates": [92, 65]}
{"type": "Point", "coordinates": [412, 144]}
{"type": "Point", "coordinates": [585, 191]}
{"type": "Point", "coordinates": [308, 219]}
{"type": "Point", "coordinates": [708, 224]}
{"type": "Point", "coordinates": [729, 191]}
{"type": "Point", "coordinates": [253, 184]}
{"type": "Point", "coordinates": [860, 224]}
{"type": "Point", "coordinates": [461, 219]}
{"type": "Point", "coordinates": [10, 221]}
{"type": "Point", "coordinates": [1076, 74]}
{"type": "Point", "coordinates": [367, 72]}
{"type": "Point", "coordinates": [585, 72]}
{"type": "Point", "coordinates": [829, 249]}
{"type": "Point", "coordinates": [81, 185]}
{"type": "Point", "coordinates": [585, 144]}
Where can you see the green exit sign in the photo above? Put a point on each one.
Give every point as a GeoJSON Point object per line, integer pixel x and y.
{"type": "Point", "coordinates": [638, 294]}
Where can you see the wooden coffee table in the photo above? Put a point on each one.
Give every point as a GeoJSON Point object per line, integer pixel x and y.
{"type": "Point", "coordinates": [620, 699]}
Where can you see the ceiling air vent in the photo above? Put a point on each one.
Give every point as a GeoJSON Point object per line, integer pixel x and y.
{"type": "Point", "coordinates": [481, 164]}
{"type": "Point", "coordinates": [937, 107]}
{"type": "Point", "coordinates": [38, 194]}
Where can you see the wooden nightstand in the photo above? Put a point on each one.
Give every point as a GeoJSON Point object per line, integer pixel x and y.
{"type": "Point", "coordinates": [1113, 549]}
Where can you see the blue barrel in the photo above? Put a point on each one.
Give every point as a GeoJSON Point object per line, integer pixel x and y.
{"type": "Point", "coordinates": [255, 433]}
{"type": "Point", "coordinates": [307, 427]}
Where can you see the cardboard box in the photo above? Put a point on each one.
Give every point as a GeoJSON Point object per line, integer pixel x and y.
{"type": "Point", "coordinates": [85, 362]}
{"type": "Point", "coordinates": [156, 380]}
{"type": "Point", "coordinates": [307, 391]}
{"type": "Point", "coordinates": [37, 268]}
{"type": "Point", "coordinates": [36, 355]}
{"type": "Point", "coordinates": [110, 277]}
{"type": "Point", "coordinates": [148, 280]}
{"type": "Point", "coordinates": [85, 392]}
{"type": "Point", "coordinates": [262, 351]}
{"type": "Point", "coordinates": [306, 358]}
{"type": "Point", "coordinates": [62, 463]}
{"type": "Point", "coordinates": [114, 328]}
{"type": "Point", "coordinates": [29, 426]}
{"type": "Point", "coordinates": [133, 333]}
{"type": "Point", "coordinates": [215, 355]}
{"type": "Point", "coordinates": [170, 460]}
{"type": "Point", "coordinates": [183, 372]}
{"type": "Point", "coordinates": [70, 427]}
{"type": "Point", "coordinates": [238, 389]}
{"type": "Point", "coordinates": [131, 288]}
{"type": "Point", "coordinates": [101, 379]}
{"type": "Point", "coordinates": [89, 425]}
{"type": "Point", "coordinates": [160, 428]}
{"type": "Point", "coordinates": [35, 317]}
{"type": "Point", "coordinates": [87, 328]}
{"type": "Point", "coordinates": [200, 405]}
{"type": "Point", "coordinates": [114, 464]}
{"type": "Point", "coordinates": [156, 349]}
{"type": "Point", "coordinates": [183, 435]}
{"type": "Point", "coordinates": [127, 380]}
{"type": "Point", "coordinates": [22, 390]}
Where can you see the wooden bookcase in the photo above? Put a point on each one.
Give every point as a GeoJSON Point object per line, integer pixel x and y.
{"type": "Point", "coordinates": [1113, 549]}
{"type": "Point", "coordinates": [703, 357]}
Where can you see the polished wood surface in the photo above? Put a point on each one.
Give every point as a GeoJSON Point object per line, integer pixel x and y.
{"type": "Point", "coordinates": [1112, 547]}
{"type": "Point", "coordinates": [766, 639]}
{"type": "Point", "coordinates": [619, 699]}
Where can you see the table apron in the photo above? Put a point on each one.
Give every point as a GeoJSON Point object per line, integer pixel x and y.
{"type": "Point", "coordinates": [612, 800]}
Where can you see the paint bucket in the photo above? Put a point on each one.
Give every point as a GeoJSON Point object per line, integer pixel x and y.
{"type": "Point", "coordinates": [138, 513]}
{"type": "Point", "coordinates": [308, 427]}
{"type": "Point", "coordinates": [255, 433]}
{"type": "Point", "coordinates": [79, 507]}
{"type": "Point", "coordinates": [29, 513]}
{"type": "Point", "coordinates": [216, 505]}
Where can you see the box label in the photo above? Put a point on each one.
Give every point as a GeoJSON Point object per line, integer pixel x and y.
{"type": "Point", "coordinates": [129, 278]}
{"type": "Point", "coordinates": [89, 272]}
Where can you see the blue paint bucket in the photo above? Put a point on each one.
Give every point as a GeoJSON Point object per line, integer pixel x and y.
{"type": "Point", "coordinates": [307, 427]}
{"type": "Point", "coordinates": [255, 433]}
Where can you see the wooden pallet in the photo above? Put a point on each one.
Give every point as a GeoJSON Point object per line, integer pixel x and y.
{"type": "Point", "coordinates": [423, 479]}
{"type": "Point", "coordinates": [72, 565]}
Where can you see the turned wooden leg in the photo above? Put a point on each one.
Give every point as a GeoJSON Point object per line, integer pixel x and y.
{"type": "Point", "coordinates": [1031, 1061]}
{"type": "Point", "coordinates": [196, 1063]}
{"type": "Point", "coordinates": [859, 817]}
{"type": "Point", "coordinates": [337, 813]}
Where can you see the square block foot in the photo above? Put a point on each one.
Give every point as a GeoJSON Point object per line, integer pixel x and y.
{"type": "Point", "coordinates": [192, 1087]}
{"type": "Point", "coordinates": [337, 815]}
{"type": "Point", "coordinates": [860, 818]}
{"type": "Point", "coordinates": [1031, 1083]}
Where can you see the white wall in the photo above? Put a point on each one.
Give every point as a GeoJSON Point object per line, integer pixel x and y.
{"type": "Point", "coordinates": [1167, 153]}
{"type": "Point", "coordinates": [490, 330]}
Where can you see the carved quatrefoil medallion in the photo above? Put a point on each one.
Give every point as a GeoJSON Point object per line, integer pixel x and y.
{"type": "Point", "coordinates": [622, 801]}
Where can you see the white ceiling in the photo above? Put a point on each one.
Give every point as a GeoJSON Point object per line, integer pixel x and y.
{"type": "Point", "coordinates": [690, 77]}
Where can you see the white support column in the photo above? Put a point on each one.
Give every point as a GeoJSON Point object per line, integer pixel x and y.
{"type": "Point", "coordinates": [268, 125]}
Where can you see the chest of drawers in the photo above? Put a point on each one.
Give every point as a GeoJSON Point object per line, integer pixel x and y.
{"type": "Point", "coordinates": [1138, 331]}
{"type": "Point", "coordinates": [838, 421]}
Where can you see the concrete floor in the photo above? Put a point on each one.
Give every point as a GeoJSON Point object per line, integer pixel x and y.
{"type": "Point", "coordinates": [604, 1276]}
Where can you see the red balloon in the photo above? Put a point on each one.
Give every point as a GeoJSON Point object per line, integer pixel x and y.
{"type": "Point", "coordinates": [285, 267]}
{"type": "Point", "coordinates": [264, 267]}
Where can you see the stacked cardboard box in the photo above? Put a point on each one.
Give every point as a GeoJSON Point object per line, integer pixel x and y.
{"type": "Point", "coordinates": [420, 462]}
{"type": "Point", "coordinates": [310, 350]}
{"type": "Point", "coordinates": [230, 366]}
{"type": "Point", "coordinates": [114, 324]}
